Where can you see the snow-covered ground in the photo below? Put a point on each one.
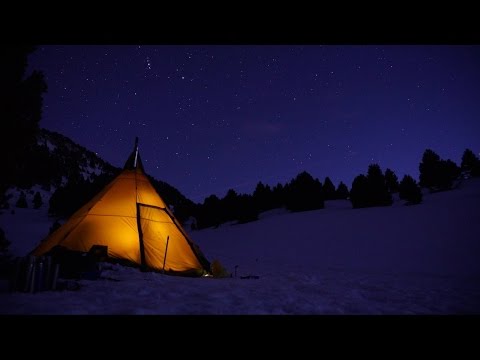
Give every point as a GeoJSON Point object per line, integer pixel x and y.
{"type": "Point", "coordinates": [422, 259]}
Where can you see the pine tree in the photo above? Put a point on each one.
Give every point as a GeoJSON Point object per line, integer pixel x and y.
{"type": "Point", "coordinates": [449, 172]}
{"type": "Point", "coordinates": [22, 201]}
{"type": "Point", "coordinates": [278, 196]}
{"type": "Point", "coordinates": [359, 192]}
{"type": "Point", "coordinates": [437, 174]}
{"type": "Point", "coordinates": [470, 163]}
{"type": "Point", "coordinates": [246, 210]}
{"type": "Point", "coordinates": [37, 200]}
{"type": "Point", "coordinates": [328, 189]}
{"type": "Point", "coordinates": [391, 181]}
{"type": "Point", "coordinates": [377, 189]}
{"type": "Point", "coordinates": [304, 193]}
{"type": "Point", "coordinates": [263, 197]}
{"type": "Point", "coordinates": [342, 191]}
{"type": "Point", "coordinates": [370, 190]}
{"type": "Point", "coordinates": [410, 191]}
{"type": "Point", "coordinates": [230, 206]}
{"type": "Point", "coordinates": [429, 169]}
{"type": "Point", "coordinates": [209, 213]}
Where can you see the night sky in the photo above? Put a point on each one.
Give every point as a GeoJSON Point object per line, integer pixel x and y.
{"type": "Point", "coordinates": [216, 117]}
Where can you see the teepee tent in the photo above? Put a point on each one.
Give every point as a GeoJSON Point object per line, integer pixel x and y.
{"type": "Point", "coordinates": [131, 219]}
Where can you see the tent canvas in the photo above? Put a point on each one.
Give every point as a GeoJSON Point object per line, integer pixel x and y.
{"type": "Point", "coordinates": [131, 218]}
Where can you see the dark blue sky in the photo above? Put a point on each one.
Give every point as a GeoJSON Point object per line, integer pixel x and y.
{"type": "Point", "coordinates": [215, 117]}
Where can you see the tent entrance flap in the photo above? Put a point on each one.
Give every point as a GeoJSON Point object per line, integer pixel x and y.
{"type": "Point", "coordinates": [159, 231]}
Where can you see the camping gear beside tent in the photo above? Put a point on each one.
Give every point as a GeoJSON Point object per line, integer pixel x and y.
{"type": "Point", "coordinates": [75, 264]}
{"type": "Point", "coordinates": [33, 274]}
{"type": "Point", "coordinates": [131, 219]}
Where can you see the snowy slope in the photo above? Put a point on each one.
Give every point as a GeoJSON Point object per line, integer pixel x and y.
{"type": "Point", "coordinates": [441, 236]}
{"type": "Point", "coordinates": [24, 227]}
{"type": "Point", "coordinates": [421, 259]}
{"type": "Point", "coordinates": [24, 234]}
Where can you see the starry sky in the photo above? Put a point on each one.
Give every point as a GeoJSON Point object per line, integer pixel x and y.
{"type": "Point", "coordinates": [214, 117]}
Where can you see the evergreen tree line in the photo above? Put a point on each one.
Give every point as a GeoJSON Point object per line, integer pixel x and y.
{"type": "Point", "coordinates": [306, 193]}
{"type": "Point", "coordinates": [376, 188]}
{"type": "Point", "coordinates": [22, 202]}
{"type": "Point", "coordinates": [300, 194]}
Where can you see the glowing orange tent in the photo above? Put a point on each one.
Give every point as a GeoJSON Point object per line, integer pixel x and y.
{"type": "Point", "coordinates": [134, 222]}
